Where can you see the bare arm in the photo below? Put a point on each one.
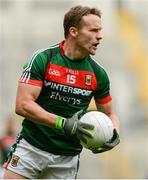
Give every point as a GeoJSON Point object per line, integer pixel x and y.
{"type": "Point", "coordinates": [108, 110]}
{"type": "Point", "coordinates": [27, 107]}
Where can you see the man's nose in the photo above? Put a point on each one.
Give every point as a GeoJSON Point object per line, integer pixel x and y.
{"type": "Point", "coordinates": [99, 35]}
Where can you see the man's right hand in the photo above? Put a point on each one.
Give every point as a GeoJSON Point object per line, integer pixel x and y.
{"type": "Point", "coordinates": [74, 128]}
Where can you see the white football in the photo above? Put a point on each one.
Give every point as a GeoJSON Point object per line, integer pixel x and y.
{"type": "Point", "coordinates": [103, 129]}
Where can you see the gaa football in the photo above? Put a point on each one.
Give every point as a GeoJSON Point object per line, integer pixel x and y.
{"type": "Point", "coordinates": [103, 129]}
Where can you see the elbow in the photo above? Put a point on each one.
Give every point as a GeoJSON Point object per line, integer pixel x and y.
{"type": "Point", "coordinates": [20, 110]}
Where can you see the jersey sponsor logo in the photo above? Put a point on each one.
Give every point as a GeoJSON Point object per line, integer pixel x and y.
{"type": "Point", "coordinates": [67, 89]}
{"type": "Point", "coordinates": [72, 71]}
{"type": "Point", "coordinates": [53, 72]}
{"type": "Point", "coordinates": [60, 97]}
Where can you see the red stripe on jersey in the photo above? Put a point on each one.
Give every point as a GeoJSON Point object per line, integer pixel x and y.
{"type": "Point", "coordinates": [71, 77]}
{"type": "Point", "coordinates": [31, 81]}
{"type": "Point", "coordinates": [103, 100]}
{"type": "Point", "coordinates": [61, 47]}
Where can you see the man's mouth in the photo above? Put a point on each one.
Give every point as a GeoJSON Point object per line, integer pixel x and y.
{"type": "Point", "coordinates": [95, 45]}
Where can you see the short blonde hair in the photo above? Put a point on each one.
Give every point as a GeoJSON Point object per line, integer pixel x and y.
{"type": "Point", "coordinates": [74, 16]}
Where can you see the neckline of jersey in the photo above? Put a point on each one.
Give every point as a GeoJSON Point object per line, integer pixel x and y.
{"type": "Point", "coordinates": [67, 58]}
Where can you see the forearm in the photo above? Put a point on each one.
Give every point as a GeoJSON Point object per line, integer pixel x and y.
{"type": "Point", "coordinates": [108, 110]}
{"type": "Point", "coordinates": [115, 121]}
{"type": "Point", "coordinates": [33, 112]}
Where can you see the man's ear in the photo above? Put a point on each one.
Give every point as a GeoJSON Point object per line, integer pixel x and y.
{"type": "Point", "coordinates": [73, 31]}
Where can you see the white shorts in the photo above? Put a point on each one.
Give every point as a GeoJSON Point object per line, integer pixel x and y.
{"type": "Point", "coordinates": [34, 163]}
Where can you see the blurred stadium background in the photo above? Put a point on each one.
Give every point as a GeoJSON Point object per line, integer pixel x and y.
{"type": "Point", "coordinates": [28, 25]}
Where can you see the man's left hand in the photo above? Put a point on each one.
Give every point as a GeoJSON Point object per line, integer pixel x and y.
{"type": "Point", "coordinates": [114, 141]}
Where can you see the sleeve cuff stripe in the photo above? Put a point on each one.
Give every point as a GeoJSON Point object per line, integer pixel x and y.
{"type": "Point", "coordinates": [103, 100]}
{"type": "Point", "coordinates": [33, 82]}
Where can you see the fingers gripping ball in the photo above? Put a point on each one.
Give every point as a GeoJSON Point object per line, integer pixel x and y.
{"type": "Point", "coordinates": [102, 132]}
{"type": "Point", "coordinates": [73, 128]}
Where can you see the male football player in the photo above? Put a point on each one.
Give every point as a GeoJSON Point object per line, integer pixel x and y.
{"type": "Point", "coordinates": [54, 91]}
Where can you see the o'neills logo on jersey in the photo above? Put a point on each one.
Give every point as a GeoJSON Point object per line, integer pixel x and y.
{"type": "Point", "coordinates": [88, 79]}
{"type": "Point", "coordinates": [53, 72]}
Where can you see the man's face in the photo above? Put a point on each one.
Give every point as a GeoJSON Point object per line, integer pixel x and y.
{"type": "Point", "coordinates": [89, 35]}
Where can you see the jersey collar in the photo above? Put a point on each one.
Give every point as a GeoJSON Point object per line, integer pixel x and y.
{"type": "Point", "coordinates": [61, 47]}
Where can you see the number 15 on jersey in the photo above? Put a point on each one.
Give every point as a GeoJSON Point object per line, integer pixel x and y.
{"type": "Point", "coordinates": [71, 79]}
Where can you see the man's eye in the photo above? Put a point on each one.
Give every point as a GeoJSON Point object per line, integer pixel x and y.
{"type": "Point", "coordinates": [94, 30]}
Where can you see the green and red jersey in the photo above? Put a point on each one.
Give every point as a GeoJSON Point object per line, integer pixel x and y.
{"type": "Point", "coordinates": [67, 87]}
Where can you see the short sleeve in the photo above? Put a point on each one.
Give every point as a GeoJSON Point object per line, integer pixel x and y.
{"type": "Point", "coordinates": [102, 94]}
{"type": "Point", "coordinates": [34, 70]}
